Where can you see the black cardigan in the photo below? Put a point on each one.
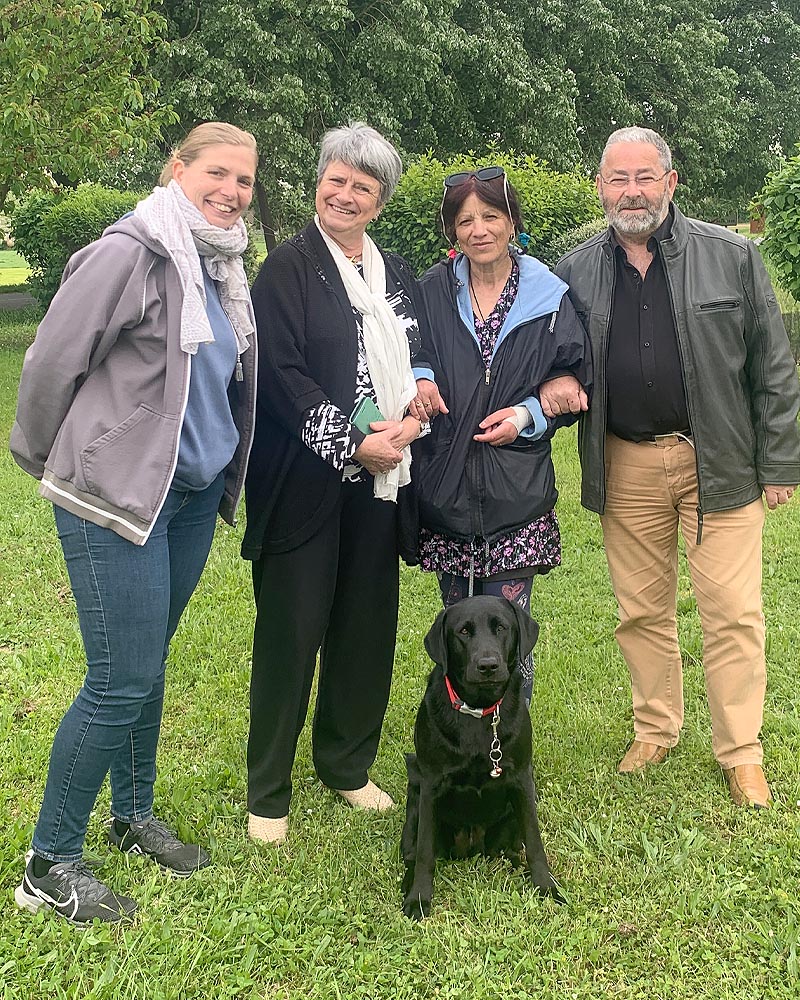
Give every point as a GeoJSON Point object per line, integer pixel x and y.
{"type": "Point", "coordinates": [308, 352]}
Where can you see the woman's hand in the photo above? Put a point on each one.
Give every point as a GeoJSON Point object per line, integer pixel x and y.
{"type": "Point", "coordinates": [402, 432]}
{"type": "Point", "coordinates": [498, 427]}
{"type": "Point", "coordinates": [378, 452]}
{"type": "Point", "coordinates": [428, 401]}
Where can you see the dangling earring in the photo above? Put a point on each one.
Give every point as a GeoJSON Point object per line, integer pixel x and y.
{"type": "Point", "coordinates": [523, 241]}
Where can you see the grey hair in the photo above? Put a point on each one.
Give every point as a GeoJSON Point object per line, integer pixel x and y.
{"type": "Point", "coordinates": [364, 149]}
{"type": "Point", "coordinates": [637, 133]}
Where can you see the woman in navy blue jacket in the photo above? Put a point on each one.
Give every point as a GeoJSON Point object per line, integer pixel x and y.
{"type": "Point", "coordinates": [501, 325]}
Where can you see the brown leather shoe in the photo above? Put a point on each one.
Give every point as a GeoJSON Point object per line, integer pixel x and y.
{"type": "Point", "coordinates": [748, 786]}
{"type": "Point", "coordinates": [640, 755]}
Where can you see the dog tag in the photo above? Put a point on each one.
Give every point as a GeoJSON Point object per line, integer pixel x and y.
{"type": "Point", "coordinates": [495, 753]}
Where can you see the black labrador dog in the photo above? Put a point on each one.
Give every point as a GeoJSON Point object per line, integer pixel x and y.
{"type": "Point", "coordinates": [470, 782]}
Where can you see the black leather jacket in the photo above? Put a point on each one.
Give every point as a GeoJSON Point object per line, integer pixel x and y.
{"type": "Point", "coordinates": [738, 372]}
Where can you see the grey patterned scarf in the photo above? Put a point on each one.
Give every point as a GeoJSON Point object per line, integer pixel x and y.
{"type": "Point", "coordinates": [178, 226]}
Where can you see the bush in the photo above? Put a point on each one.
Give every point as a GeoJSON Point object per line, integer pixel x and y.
{"type": "Point", "coordinates": [781, 200]}
{"type": "Point", "coordinates": [555, 250]}
{"type": "Point", "coordinates": [552, 203]}
{"type": "Point", "coordinates": [48, 228]}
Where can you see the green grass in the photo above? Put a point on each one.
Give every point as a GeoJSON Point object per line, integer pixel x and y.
{"type": "Point", "coordinates": [14, 271]}
{"type": "Point", "coordinates": [672, 891]}
{"type": "Point", "coordinates": [10, 258]}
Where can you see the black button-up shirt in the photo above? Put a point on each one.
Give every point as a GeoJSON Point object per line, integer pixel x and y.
{"type": "Point", "coordinates": [645, 381]}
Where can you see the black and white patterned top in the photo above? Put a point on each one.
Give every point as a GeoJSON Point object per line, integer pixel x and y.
{"type": "Point", "coordinates": [326, 430]}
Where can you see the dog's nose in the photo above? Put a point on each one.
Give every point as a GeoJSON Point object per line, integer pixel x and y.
{"type": "Point", "coordinates": [488, 664]}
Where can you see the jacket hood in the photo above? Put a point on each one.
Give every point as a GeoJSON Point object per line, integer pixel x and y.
{"type": "Point", "coordinates": [540, 291]}
{"type": "Point", "coordinates": [130, 225]}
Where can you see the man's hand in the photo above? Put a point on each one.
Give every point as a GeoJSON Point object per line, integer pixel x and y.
{"type": "Point", "coordinates": [776, 495]}
{"type": "Point", "coordinates": [498, 427]}
{"type": "Point", "coordinates": [560, 395]}
{"type": "Point", "coordinates": [428, 401]}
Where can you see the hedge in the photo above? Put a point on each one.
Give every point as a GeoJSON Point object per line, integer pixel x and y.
{"type": "Point", "coordinates": [556, 249]}
{"type": "Point", "coordinates": [552, 204]}
{"type": "Point", "coordinates": [781, 200]}
{"type": "Point", "coordinates": [49, 227]}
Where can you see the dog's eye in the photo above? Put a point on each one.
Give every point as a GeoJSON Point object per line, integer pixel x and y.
{"type": "Point", "coordinates": [500, 628]}
{"type": "Point", "coordinates": [464, 630]}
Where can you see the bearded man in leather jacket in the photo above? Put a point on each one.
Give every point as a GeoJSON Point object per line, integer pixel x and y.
{"type": "Point", "coordinates": [693, 423]}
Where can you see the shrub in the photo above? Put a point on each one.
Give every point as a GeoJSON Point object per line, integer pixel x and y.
{"type": "Point", "coordinates": [781, 200]}
{"type": "Point", "coordinates": [552, 203]}
{"type": "Point", "coordinates": [556, 249]}
{"type": "Point", "coordinates": [49, 228]}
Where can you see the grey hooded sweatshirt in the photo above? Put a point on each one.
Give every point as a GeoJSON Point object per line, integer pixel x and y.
{"type": "Point", "coordinates": [104, 388]}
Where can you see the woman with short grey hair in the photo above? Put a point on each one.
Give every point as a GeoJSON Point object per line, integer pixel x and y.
{"type": "Point", "coordinates": [364, 149]}
{"type": "Point", "coordinates": [337, 323]}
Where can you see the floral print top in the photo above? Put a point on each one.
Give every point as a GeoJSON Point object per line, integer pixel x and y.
{"type": "Point", "coordinates": [534, 548]}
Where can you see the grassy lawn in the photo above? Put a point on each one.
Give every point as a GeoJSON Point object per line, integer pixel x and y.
{"type": "Point", "coordinates": [14, 271]}
{"type": "Point", "coordinates": [672, 891]}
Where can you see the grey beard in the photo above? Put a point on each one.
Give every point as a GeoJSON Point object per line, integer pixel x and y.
{"type": "Point", "coordinates": [636, 225]}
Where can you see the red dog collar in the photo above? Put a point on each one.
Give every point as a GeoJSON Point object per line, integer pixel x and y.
{"type": "Point", "coordinates": [461, 706]}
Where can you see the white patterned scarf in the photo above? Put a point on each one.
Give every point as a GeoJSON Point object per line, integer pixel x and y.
{"type": "Point", "coordinates": [386, 346]}
{"type": "Point", "coordinates": [175, 224]}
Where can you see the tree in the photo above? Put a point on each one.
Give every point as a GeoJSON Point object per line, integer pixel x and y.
{"type": "Point", "coordinates": [286, 70]}
{"type": "Point", "coordinates": [763, 49]}
{"type": "Point", "coordinates": [657, 64]}
{"type": "Point", "coordinates": [718, 78]}
{"type": "Point", "coordinates": [76, 87]}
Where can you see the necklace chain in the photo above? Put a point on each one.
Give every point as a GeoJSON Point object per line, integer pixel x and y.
{"type": "Point", "coordinates": [475, 294]}
{"type": "Point", "coordinates": [475, 299]}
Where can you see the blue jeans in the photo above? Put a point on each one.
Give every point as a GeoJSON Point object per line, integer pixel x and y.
{"type": "Point", "coordinates": [130, 599]}
{"type": "Point", "coordinates": [456, 588]}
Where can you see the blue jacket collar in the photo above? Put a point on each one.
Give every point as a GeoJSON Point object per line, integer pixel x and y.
{"type": "Point", "coordinates": [540, 293]}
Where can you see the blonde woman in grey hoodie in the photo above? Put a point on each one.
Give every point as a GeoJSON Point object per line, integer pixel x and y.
{"type": "Point", "coordinates": [135, 412]}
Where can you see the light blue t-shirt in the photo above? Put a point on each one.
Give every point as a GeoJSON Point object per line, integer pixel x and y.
{"type": "Point", "coordinates": [209, 436]}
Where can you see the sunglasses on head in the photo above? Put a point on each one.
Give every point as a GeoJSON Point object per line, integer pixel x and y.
{"type": "Point", "coordinates": [482, 174]}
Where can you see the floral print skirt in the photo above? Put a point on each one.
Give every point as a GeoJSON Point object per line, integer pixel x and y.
{"type": "Point", "coordinates": [536, 546]}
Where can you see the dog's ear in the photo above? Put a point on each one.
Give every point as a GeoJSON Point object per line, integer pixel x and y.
{"type": "Point", "coordinates": [528, 630]}
{"type": "Point", "coordinates": [435, 642]}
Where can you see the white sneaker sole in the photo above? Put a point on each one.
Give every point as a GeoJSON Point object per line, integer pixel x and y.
{"type": "Point", "coordinates": [32, 904]}
{"type": "Point", "coordinates": [27, 902]}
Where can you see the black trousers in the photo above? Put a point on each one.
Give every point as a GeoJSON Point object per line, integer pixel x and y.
{"type": "Point", "coordinates": [336, 594]}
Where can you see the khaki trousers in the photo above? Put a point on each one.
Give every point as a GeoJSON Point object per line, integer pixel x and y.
{"type": "Point", "coordinates": [651, 487]}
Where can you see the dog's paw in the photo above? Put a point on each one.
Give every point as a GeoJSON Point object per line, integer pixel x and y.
{"type": "Point", "coordinates": [551, 889]}
{"type": "Point", "coordinates": [416, 908]}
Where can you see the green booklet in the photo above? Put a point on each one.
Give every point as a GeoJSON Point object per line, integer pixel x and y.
{"type": "Point", "coordinates": [364, 413]}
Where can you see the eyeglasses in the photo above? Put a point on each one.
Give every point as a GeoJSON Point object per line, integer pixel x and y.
{"type": "Point", "coordinates": [482, 174]}
{"type": "Point", "coordinates": [643, 181]}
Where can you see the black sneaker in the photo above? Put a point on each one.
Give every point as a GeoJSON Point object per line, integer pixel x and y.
{"type": "Point", "coordinates": [156, 841]}
{"type": "Point", "coordinates": [73, 891]}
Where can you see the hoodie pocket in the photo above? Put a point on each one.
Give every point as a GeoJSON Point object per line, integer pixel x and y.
{"type": "Point", "coordinates": [129, 465]}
